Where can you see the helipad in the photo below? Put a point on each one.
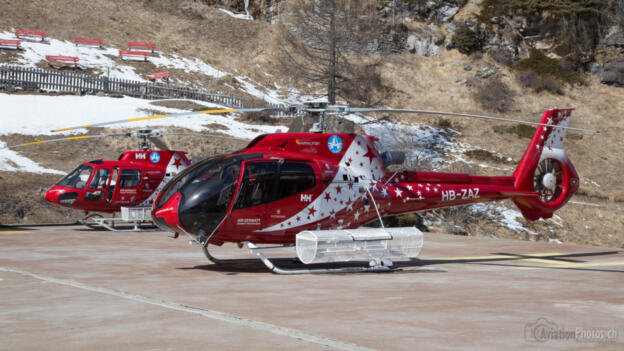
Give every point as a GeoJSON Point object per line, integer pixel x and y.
{"type": "Point", "coordinates": [70, 288]}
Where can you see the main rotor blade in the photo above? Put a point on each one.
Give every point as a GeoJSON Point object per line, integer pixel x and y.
{"type": "Point", "coordinates": [80, 137]}
{"type": "Point", "coordinates": [205, 135]}
{"type": "Point", "coordinates": [455, 114]}
{"type": "Point", "coordinates": [174, 115]}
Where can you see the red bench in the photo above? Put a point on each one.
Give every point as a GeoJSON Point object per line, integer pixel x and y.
{"type": "Point", "coordinates": [10, 44]}
{"type": "Point", "coordinates": [141, 46]}
{"type": "Point", "coordinates": [89, 41]}
{"type": "Point", "coordinates": [133, 54]}
{"type": "Point", "coordinates": [161, 75]}
{"type": "Point", "coordinates": [62, 60]}
{"type": "Point", "coordinates": [30, 34]}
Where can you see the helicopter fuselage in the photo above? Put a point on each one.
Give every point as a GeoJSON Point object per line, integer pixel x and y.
{"type": "Point", "coordinates": [106, 186]}
{"type": "Point", "coordinates": [282, 184]}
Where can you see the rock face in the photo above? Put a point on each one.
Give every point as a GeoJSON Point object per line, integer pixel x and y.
{"type": "Point", "coordinates": [425, 40]}
{"type": "Point", "coordinates": [435, 10]}
{"type": "Point", "coordinates": [610, 72]}
{"type": "Point", "coordinates": [422, 46]}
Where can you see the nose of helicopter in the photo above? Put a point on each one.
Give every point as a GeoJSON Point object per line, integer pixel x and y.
{"type": "Point", "coordinates": [166, 216]}
{"type": "Point", "coordinates": [52, 195]}
{"type": "Point", "coordinates": [60, 196]}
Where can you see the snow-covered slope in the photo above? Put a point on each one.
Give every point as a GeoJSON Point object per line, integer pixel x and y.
{"type": "Point", "coordinates": [39, 114]}
{"type": "Point", "coordinates": [94, 57]}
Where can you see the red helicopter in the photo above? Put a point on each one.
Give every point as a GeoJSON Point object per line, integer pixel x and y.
{"type": "Point", "coordinates": [314, 189]}
{"type": "Point", "coordinates": [128, 184]}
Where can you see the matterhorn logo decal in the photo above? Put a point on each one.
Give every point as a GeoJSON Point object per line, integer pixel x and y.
{"type": "Point", "coordinates": [154, 157]}
{"type": "Point", "coordinates": [334, 143]}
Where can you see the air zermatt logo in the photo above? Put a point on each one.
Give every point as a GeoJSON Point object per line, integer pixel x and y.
{"type": "Point", "coordinates": [334, 143]}
{"type": "Point", "coordinates": [154, 157]}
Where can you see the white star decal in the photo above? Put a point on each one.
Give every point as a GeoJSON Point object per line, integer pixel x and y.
{"type": "Point", "coordinates": [398, 192]}
{"type": "Point", "coordinates": [409, 187]}
{"type": "Point", "coordinates": [356, 215]}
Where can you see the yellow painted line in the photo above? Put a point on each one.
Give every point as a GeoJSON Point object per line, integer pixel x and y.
{"type": "Point", "coordinates": [78, 137]}
{"type": "Point", "coordinates": [537, 260]}
{"type": "Point", "coordinates": [13, 232]}
{"type": "Point", "coordinates": [492, 257]}
{"type": "Point", "coordinates": [579, 265]}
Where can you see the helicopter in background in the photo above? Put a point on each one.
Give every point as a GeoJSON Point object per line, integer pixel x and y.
{"type": "Point", "coordinates": [315, 190]}
{"type": "Point", "coordinates": [128, 185]}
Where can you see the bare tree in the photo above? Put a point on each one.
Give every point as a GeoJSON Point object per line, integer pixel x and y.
{"type": "Point", "coordinates": [321, 38]}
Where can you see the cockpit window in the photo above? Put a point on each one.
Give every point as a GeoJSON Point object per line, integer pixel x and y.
{"type": "Point", "coordinates": [258, 186]}
{"type": "Point", "coordinates": [78, 178]}
{"type": "Point", "coordinates": [100, 179]}
{"type": "Point", "coordinates": [191, 172]}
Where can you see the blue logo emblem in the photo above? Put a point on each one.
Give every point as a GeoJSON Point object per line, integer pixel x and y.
{"type": "Point", "coordinates": [154, 157]}
{"type": "Point", "coordinates": [334, 143]}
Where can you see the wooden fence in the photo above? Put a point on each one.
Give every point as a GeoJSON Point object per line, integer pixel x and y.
{"type": "Point", "coordinates": [30, 78]}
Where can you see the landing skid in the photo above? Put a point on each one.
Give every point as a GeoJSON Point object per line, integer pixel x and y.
{"type": "Point", "coordinates": [97, 221]}
{"type": "Point", "coordinates": [374, 266]}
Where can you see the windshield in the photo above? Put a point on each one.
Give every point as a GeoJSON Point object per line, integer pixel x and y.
{"type": "Point", "coordinates": [178, 181]}
{"type": "Point", "coordinates": [207, 193]}
{"type": "Point", "coordinates": [77, 179]}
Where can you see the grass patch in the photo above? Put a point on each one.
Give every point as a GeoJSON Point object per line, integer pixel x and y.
{"type": "Point", "coordinates": [493, 94]}
{"type": "Point", "coordinates": [521, 130]}
{"type": "Point", "coordinates": [545, 67]}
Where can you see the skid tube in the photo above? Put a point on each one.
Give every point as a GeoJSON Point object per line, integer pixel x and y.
{"type": "Point", "coordinates": [376, 265]}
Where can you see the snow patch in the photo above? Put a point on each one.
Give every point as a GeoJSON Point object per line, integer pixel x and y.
{"type": "Point", "coordinates": [102, 59]}
{"type": "Point", "coordinates": [11, 161]}
{"type": "Point", "coordinates": [236, 15]}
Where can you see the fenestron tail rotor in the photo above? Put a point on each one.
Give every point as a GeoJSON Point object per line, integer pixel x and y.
{"type": "Point", "coordinates": [547, 180]}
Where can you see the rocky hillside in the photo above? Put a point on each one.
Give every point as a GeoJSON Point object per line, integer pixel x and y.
{"type": "Point", "coordinates": [489, 57]}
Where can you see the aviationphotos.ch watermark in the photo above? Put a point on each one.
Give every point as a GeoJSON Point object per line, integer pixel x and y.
{"type": "Point", "coordinates": [543, 330]}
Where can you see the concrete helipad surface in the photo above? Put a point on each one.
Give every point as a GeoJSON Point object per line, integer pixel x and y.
{"type": "Point", "coordinates": [71, 288]}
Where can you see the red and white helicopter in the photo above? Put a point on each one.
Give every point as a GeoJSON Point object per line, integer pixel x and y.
{"type": "Point", "coordinates": [315, 189]}
{"type": "Point", "coordinates": [128, 185]}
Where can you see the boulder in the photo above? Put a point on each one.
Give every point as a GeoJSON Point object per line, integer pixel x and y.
{"type": "Point", "coordinates": [486, 72]}
{"type": "Point", "coordinates": [615, 37]}
{"type": "Point", "coordinates": [610, 72]}
{"type": "Point", "coordinates": [422, 46]}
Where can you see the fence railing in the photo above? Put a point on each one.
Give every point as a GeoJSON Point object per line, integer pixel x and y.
{"type": "Point", "coordinates": [31, 78]}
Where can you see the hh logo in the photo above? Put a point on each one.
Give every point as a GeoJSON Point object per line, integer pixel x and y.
{"type": "Point", "coordinates": [306, 197]}
{"type": "Point", "coordinates": [142, 156]}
